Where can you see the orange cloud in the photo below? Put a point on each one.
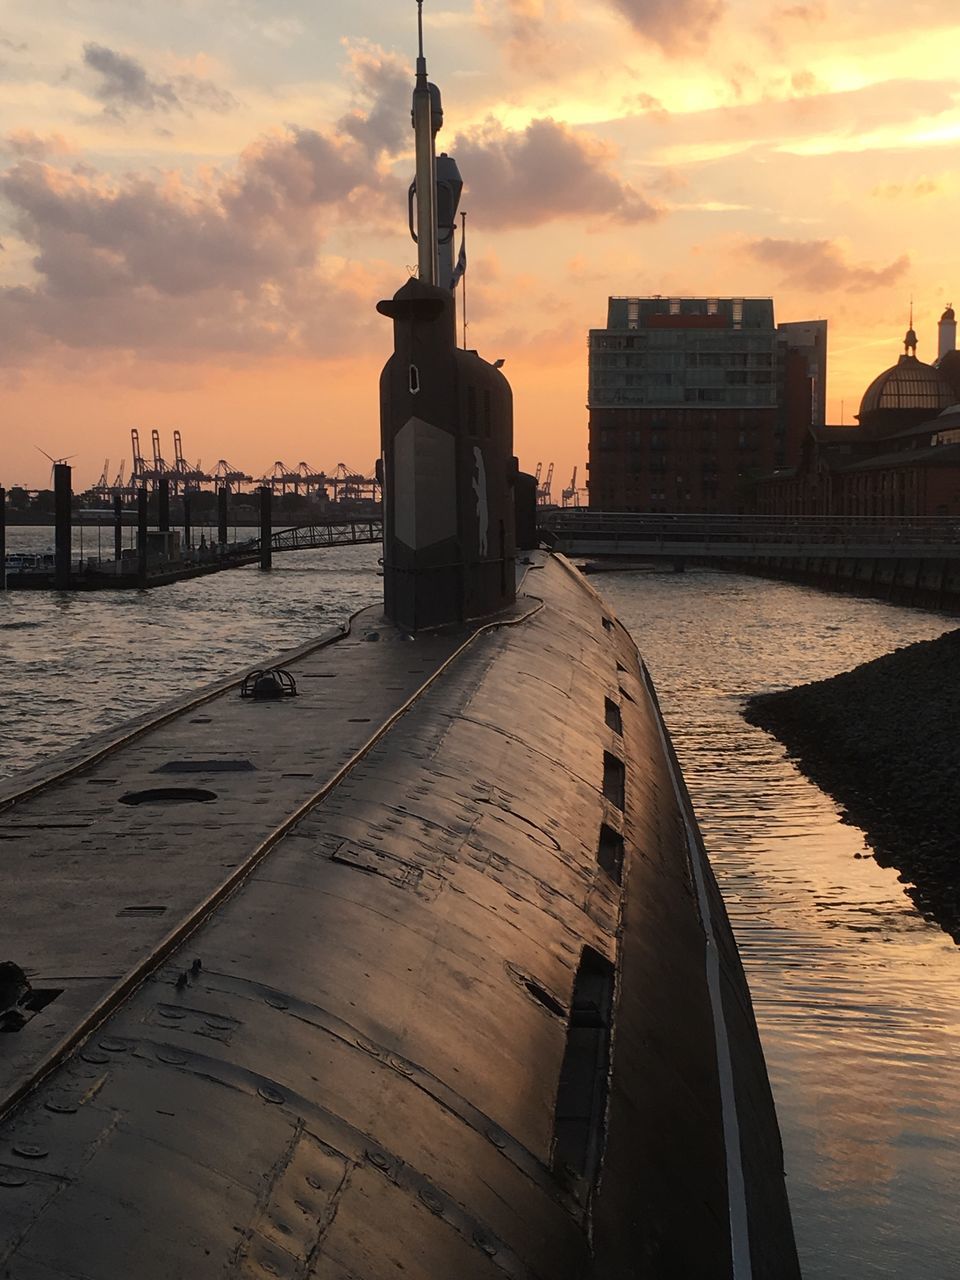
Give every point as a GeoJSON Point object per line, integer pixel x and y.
{"type": "Point", "coordinates": [24, 142]}
{"type": "Point", "coordinates": [820, 265]}
{"type": "Point", "coordinates": [527, 177]}
{"type": "Point", "coordinates": [154, 266]}
{"type": "Point", "coordinates": [677, 27]}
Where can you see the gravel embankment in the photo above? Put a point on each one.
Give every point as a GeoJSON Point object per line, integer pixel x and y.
{"type": "Point", "coordinates": [884, 741]}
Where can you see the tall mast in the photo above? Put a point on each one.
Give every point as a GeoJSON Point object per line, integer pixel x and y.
{"type": "Point", "coordinates": [426, 122]}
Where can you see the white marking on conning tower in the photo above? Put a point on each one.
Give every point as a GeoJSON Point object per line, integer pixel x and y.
{"type": "Point", "coordinates": [736, 1187]}
{"type": "Point", "coordinates": [480, 489]}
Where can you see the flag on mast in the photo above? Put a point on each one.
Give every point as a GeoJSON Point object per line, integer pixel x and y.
{"type": "Point", "coordinates": [460, 269]}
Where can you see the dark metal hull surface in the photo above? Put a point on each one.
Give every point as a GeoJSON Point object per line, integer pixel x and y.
{"type": "Point", "coordinates": [359, 1078]}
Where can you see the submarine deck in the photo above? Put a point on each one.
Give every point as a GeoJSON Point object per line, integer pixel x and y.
{"type": "Point", "coordinates": [436, 980]}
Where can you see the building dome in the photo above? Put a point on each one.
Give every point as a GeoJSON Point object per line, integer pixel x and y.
{"type": "Point", "coordinates": [948, 315]}
{"type": "Point", "coordinates": [905, 395]}
{"type": "Point", "coordinates": [909, 384]}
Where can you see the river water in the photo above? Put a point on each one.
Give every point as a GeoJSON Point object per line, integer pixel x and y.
{"type": "Point", "coordinates": [857, 997]}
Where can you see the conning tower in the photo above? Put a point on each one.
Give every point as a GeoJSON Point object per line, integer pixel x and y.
{"type": "Point", "coordinates": [446, 422]}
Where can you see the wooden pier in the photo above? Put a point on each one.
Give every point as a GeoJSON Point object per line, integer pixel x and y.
{"type": "Point", "coordinates": [160, 558]}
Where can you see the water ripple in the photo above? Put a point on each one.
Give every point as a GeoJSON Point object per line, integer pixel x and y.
{"type": "Point", "coordinates": [856, 995]}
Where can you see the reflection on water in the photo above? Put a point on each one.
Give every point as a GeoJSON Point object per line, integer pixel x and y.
{"type": "Point", "coordinates": [857, 997]}
{"type": "Point", "coordinates": [77, 663]}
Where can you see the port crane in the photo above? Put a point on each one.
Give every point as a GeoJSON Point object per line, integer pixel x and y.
{"type": "Point", "coordinates": [570, 496]}
{"type": "Point", "coordinates": [313, 481]}
{"type": "Point", "coordinates": [225, 476]}
{"type": "Point", "coordinates": [349, 485]}
{"type": "Point", "coordinates": [543, 490]}
{"type": "Point", "coordinates": [138, 473]}
{"type": "Point", "coordinates": [281, 478]}
{"type": "Point", "coordinates": [102, 487]}
{"type": "Point", "coordinates": [186, 477]}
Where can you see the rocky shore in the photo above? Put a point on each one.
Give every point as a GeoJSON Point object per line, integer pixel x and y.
{"type": "Point", "coordinates": [884, 741]}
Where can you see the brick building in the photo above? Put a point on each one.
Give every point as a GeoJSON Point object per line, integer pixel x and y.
{"type": "Point", "coordinates": [692, 399]}
{"type": "Point", "coordinates": [903, 457]}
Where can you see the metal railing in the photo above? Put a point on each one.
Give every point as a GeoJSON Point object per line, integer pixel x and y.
{"type": "Point", "coordinates": [340, 533]}
{"type": "Point", "coordinates": [584, 524]}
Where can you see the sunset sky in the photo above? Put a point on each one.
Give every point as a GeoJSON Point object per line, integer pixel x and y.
{"type": "Point", "coordinates": [201, 202]}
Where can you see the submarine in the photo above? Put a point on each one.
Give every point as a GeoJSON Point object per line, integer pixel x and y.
{"type": "Point", "coordinates": [400, 956]}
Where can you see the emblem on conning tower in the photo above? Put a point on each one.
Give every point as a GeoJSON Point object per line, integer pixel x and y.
{"type": "Point", "coordinates": [480, 489]}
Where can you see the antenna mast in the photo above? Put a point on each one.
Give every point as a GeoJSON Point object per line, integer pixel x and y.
{"type": "Point", "coordinates": [426, 180]}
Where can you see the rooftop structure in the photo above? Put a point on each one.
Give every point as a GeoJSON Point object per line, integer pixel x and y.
{"type": "Point", "coordinates": [691, 396]}
{"type": "Point", "coordinates": [903, 459]}
{"type": "Point", "coordinates": [909, 391]}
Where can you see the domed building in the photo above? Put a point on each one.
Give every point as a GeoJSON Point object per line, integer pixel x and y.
{"type": "Point", "coordinates": [903, 459]}
{"type": "Point", "coordinates": [906, 394]}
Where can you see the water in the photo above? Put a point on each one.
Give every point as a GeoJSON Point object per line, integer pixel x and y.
{"type": "Point", "coordinates": [856, 996]}
{"type": "Point", "coordinates": [76, 663]}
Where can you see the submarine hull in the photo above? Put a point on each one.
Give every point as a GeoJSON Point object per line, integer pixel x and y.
{"type": "Point", "coordinates": [473, 1008]}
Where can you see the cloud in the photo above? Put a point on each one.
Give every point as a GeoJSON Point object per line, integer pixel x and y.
{"type": "Point", "coordinates": [382, 123]}
{"type": "Point", "coordinates": [820, 264]}
{"type": "Point", "coordinates": [527, 31]}
{"type": "Point", "coordinates": [804, 12]}
{"type": "Point", "coordinates": [24, 142]}
{"type": "Point", "coordinates": [678, 27]}
{"type": "Point", "coordinates": [124, 84]}
{"type": "Point", "coordinates": [804, 82]}
{"type": "Point", "coordinates": [837, 120]}
{"type": "Point", "coordinates": [528, 177]}
{"type": "Point", "coordinates": [893, 190]}
{"type": "Point", "coordinates": [233, 265]}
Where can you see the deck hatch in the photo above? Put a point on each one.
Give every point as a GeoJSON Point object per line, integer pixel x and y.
{"type": "Point", "coordinates": [611, 713]}
{"type": "Point", "coordinates": [614, 780]}
{"type": "Point", "coordinates": [582, 1091]}
{"type": "Point", "coordinates": [167, 795]}
{"type": "Point", "coordinates": [206, 766]}
{"type": "Point", "coordinates": [610, 852]}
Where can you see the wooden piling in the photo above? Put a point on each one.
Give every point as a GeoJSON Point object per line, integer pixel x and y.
{"type": "Point", "coordinates": [222, 497]}
{"type": "Point", "coordinates": [117, 527]}
{"type": "Point", "coordinates": [63, 526]}
{"type": "Point", "coordinates": [266, 527]}
{"type": "Point", "coordinates": [187, 528]}
{"type": "Point", "coordinates": [142, 536]}
{"type": "Point", "coordinates": [163, 504]}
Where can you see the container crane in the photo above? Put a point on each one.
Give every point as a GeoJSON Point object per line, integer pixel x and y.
{"type": "Point", "coordinates": [225, 476]}
{"type": "Point", "coordinates": [350, 486]}
{"type": "Point", "coordinates": [185, 475]}
{"type": "Point", "coordinates": [281, 478]}
{"type": "Point", "coordinates": [159, 466]}
{"type": "Point", "coordinates": [102, 487]}
{"type": "Point", "coordinates": [543, 490]}
{"type": "Point", "coordinates": [570, 497]}
{"type": "Point", "coordinates": [139, 472]}
{"type": "Point", "coordinates": [313, 481]}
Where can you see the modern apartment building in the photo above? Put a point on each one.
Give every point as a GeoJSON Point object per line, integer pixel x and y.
{"type": "Point", "coordinates": [691, 399]}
